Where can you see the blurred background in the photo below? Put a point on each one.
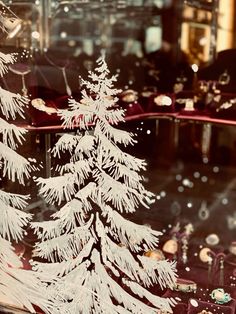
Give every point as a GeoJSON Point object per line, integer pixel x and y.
{"type": "Point", "coordinates": [176, 66]}
{"type": "Point", "coordinates": [199, 28]}
{"type": "Point", "coordinates": [180, 49]}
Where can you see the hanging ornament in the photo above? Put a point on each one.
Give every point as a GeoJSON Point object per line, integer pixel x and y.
{"type": "Point", "coordinates": [221, 277]}
{"type": "Point", "coordinates": [185, 241]}
{"type": "Point", "coordinates": [204, 255]}
{"type": "Point", "coordinates": [63, 71]}
{"type": "Point", "coordinates": [203, 212]}
{"type": "Point", "coordinates": [22, 70]}
{"type": "Point", "coordinates": [209, 272]}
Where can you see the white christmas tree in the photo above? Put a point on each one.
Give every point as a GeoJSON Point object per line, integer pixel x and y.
{"type": "Point", "coordinates": [91, 247]}
{"type": "Point", "coordinates": [18, 286]}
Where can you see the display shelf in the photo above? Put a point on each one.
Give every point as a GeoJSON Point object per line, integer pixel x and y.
{"type": "Point", "coordinates": [144, 116]}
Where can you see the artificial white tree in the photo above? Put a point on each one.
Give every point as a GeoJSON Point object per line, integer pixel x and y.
{"type": "Point", "coordinates": [91, 247]}
{"type": "Point", "coordinates": [18, 286]}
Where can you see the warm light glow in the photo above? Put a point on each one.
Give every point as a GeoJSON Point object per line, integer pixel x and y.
{"type": "Point", "coordinates": [225, 32]}
{"type": "Point", "coordinates": [203, 41]}
{"type": "Point", "coordinates": [186, 35]}
{"type": "Point", "coordinates": [194, 68]}
{"type": "Point", "coordinates": [63, 35]}
{"type": "Point", "coordinates": [66, 9]}
{"type": "Point", "coordinates": [35, 35]}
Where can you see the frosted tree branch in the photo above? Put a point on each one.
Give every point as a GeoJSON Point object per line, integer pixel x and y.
{"type": "Point", "coordinates": [19, 287]}
{"type": "Point", "coordinates": [66, 245]}
{"type": "Point", "coordinates": [15, 167]}
{"type": "Point", "coordinates": [15, 200]}
{"type": "Point", "coordinates": [58, 188]}
{"type": "Point", "coordinates": [12, 222]}
{"type": "Point", "coordinates": [5, 60]}
{"type": "Point", "coordinates": [90, 245]}
{"type": "Point", "coordinates": [130, 234]}
{"type": "Point", "coordinates": [12, 135]}
{"type": "Point", "coordinates": [67, 142]}
{"type": "Point", "coordinates": [12, 104]}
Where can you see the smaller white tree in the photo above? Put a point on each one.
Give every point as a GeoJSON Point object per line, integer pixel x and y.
{"type": "Point", "coordinates": [18, 286]}
{"type": "Point", "coordinates": [91, 246]}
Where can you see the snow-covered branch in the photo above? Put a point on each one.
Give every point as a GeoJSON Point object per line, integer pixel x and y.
{"type": "Point", "coordinates": [81, 117]}
{"type": "Point", "coordinates": [130, 234]}
{"type": "Point", "coordinates": [118, 136]}
{"type": "Point", "coordinates": [76, 145]}
{"type": "Point", "coordinates": [73, 213]}
{"type": "Point", "coordinates": [102, 281]}
{"type": "Point", "coordinates": [11, 134]}
{"type": "Point", "coordinates": [14, 165]}
{"type": "Point", "coordinates": [15, 200]}
{"type": "Point", "coordinates": [82, 168]}
{"type": "Point", "coordinates": [119, 256]}
{"type": "Point", "coordinates": [164, 271]}
{"type": "Point", "coordinates": [115, 116]}
{"type": "Point", "coordinates": [119, 156]}
{"type": "Point", "coordinates": [12, 222]}
{"type": "Point", "coordinates": [131, 177]}
{"type": "Point", "coordinates": [85, 146]}
{"type": "Point", "coordinates": [158, 302]}
{"type": "Point", "coordinates": [5, 60]}
{"type": "Point", "coordinates": [7, 255]}
{"type": "Point", "coordinates": [122, 197]}
{"type": "Point", "coordinates": [58, 189]}
{"type": "Point", "coordinates": [67, 142]}
{"type": "Point", "coordinates": [94, 244]}
{"type": "Point", "coordinates": [64, 247]}
{"type": "Point", "coordinates": [90, 190]}
{"type": "Point", "coordinates": [24, 288]}
{"type": "Point", "coordinates": [12, 104]}
{"type": "Point", "coordinates": [66, 266]}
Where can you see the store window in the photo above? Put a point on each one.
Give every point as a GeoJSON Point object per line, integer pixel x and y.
{"type": "Point", "coordinates": [118, 150]}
